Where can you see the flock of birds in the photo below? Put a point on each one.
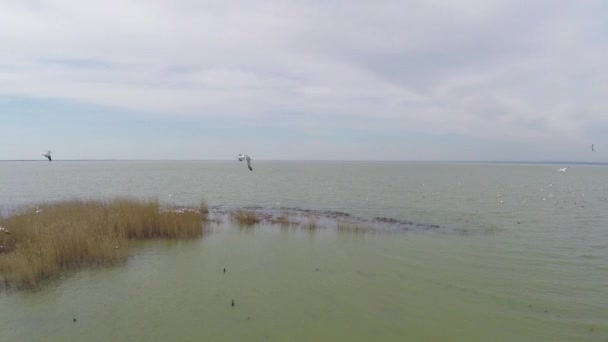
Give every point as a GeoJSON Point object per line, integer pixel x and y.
{"type": "Point", "coordinates": [241, 157]}
{"type": "Point", "coordinates": [248, 159]}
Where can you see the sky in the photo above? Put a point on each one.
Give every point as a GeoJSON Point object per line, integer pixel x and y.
{"type": "Point", "coordinates": [304, 80]}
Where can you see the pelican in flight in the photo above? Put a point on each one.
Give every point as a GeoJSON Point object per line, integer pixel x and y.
{"type": "Point", "coordinates": [563, 169]}
{"type": "Point", "coordinates": [48, 155]}
{"type": "Point", "coordinates": [248, 158]}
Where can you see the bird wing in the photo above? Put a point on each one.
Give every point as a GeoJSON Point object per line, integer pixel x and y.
{"type": "Point", "coordinates": [249, 164]}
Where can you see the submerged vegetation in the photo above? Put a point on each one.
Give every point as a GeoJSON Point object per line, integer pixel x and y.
{"type": "Point", "coordinates": [45, 241]}
{"type": "Point", "coordinates": [283, 220]}
{"type": "Point", "coordinates": [251, 217]}
{"type": "Point", "coordinates": [48, 240]}
{"type": "Point", "coordinates": [312, 222]}
{"type": "Point", "coordinates": [247, 217]}
{"type": "Point", "coordinates": [350, 227]}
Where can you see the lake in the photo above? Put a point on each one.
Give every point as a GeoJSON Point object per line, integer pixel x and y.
{"type": "Point", "coordinates": [520, 254]}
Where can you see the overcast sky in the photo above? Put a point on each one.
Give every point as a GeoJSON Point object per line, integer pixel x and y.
{"type": "Point", "coordinates": [367, 80]}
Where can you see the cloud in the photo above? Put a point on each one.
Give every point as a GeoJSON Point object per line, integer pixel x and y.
{"type": "Point", "coordinates": [513, 70]}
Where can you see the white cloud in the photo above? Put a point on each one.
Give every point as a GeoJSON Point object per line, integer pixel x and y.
{"type": "Point", "coordinates": [506, 69]}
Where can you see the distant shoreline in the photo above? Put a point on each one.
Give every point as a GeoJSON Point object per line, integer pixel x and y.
{"type": "Point", "coordinates": [326, 161]}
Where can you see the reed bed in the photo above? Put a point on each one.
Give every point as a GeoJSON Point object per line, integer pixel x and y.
{"type": "Point", "coordinates": [312, 223]}
{"type": "Point", "coordinates": [282, 220]}
{"type": "Point", "coordinates": [247, 217]}
{"type": "Point", "coordinates": [45, 241]}
{"type": "Point", "coordinates": [349, 227]}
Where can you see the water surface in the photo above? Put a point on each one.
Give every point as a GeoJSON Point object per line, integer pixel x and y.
{"type": "Point", "coordinates": [524, 257]}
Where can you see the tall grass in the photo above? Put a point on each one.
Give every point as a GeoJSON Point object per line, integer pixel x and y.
{"type": "Point", "coordinates": [349, 227]}
{"type": "Point", "coordinates": [46, 241]}
{"type": "Point", "coordinates": [203, 207]}
{"type": "Point", "coordinates": [283, 220]}
{"type": "Point", "coordinates": [246, 217]}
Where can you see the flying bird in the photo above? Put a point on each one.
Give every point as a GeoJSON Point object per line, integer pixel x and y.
{"type": "Point", "coordinates": [48, 155]}
{"type": "Point", "coordinates": [248, 158]}
{"type": "Point", "coordinates": [563, 169]}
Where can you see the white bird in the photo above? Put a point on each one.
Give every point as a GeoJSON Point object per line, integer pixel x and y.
{"type": "Point", "coordinates": [563, 169]}
{"type": "Point", "coordinates": [48, 155]}
{"type": "Point", "coordinates": [4, 230]}
{"type": "Point", "coordinates": [248, 158]}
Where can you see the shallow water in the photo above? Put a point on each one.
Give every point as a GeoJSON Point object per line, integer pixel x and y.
{"type": "Point", "coordinates": [522, 256]}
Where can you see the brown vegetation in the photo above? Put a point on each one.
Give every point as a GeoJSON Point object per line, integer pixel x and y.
{"type": "Point", "coordinates": [312, 223]}
{"type": "Point", "coordinates": [283, 220]}
{"type": "Point", "coordinates": [246, 217]}
{"type": "Point", "coordinates": [46, 241]}
{"type": "Point", "coordinates": [349, 227]}
{"type": "Point", "coordinates": [203, 207]}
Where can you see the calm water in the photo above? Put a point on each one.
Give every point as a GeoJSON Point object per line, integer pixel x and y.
{"type": "Point", "coordinates": [533, 265]}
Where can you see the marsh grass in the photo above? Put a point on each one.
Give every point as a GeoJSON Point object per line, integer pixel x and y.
{"type": "Point", "coordinates": [312, 223]}
{"type": "Point", "coordinates": [247, 217]}
{"type": "Point", "coordinates": [203, 207]}
{"type": "Point", "coordinates": [349, 227]}
{"type": "Point", "coordinates": [53, 238]}
{"type": "Point", "coordinates": [282, 220]}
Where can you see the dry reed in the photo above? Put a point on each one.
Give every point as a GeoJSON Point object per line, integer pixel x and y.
{"type": "Point", "coordinates": [246, 217]}
{"type": "Point", "coordinates": [349, 227]}
{"type": "Point", "coordinates": [53, 238]}
{"type": "Point", "coordinates": [203, 207]}
{"type": "Point", "coordinates": [312, 222]}
{"type": "Point", "coordinates": [283, 220]}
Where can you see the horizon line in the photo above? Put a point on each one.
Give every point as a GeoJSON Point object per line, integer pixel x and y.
{"type": "Point", "coordinates": [327, 160]}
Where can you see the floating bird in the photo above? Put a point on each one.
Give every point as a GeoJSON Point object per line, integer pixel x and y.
{"type": "Point", "coordinates": [563, 169]}
{"type": "Point", "coordinates": [4, 230]}
{"type": "Point", "coordinates": [48, 155]}
{"type": "Point", "coordinates": [248, 158]}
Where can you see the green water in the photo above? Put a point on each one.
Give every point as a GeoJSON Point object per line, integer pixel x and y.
{"type": "Point", "coordinates": [529, 268]}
